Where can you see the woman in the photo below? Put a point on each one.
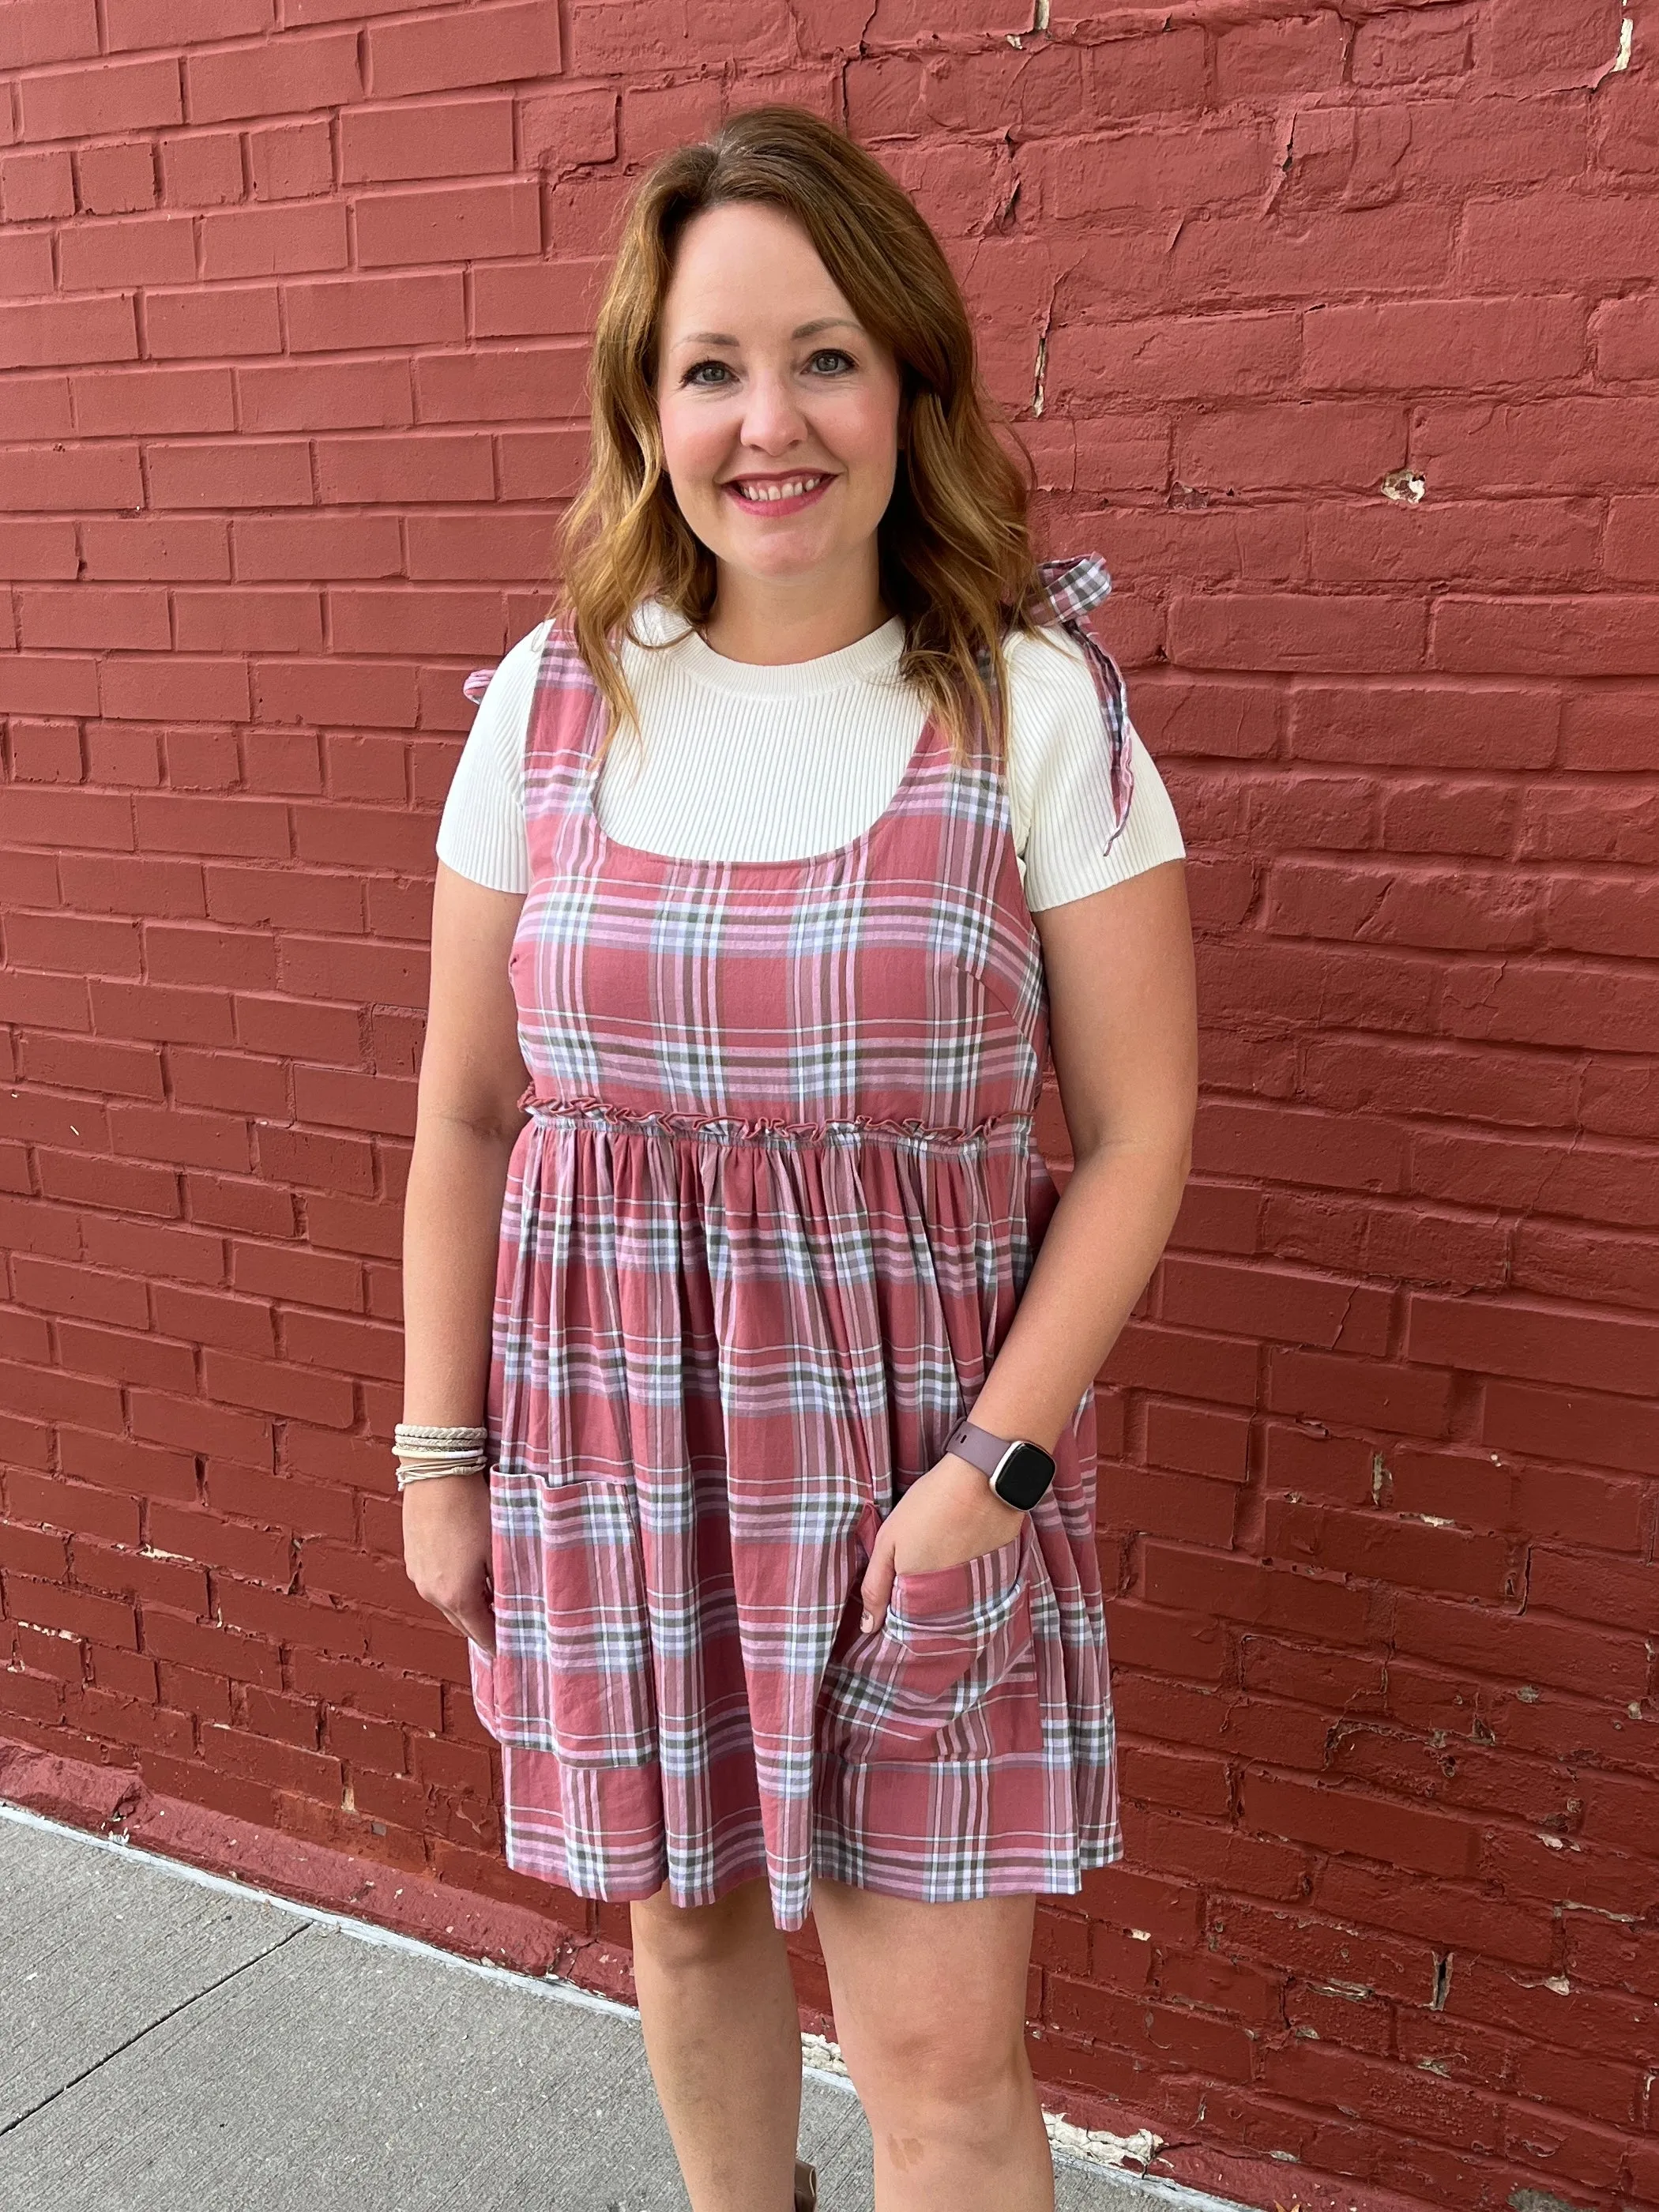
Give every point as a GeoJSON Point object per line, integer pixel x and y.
{"type": "Point", "coordinates": [766, 1498]}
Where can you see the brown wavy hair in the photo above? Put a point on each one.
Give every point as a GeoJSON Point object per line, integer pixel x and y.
{"type": "Point", "coordinates": [955, 555]}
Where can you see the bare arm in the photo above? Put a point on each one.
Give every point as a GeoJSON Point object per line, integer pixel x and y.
{"type": "Point", "coordinates": [466, 1122]}
{"type": "Point", "coordinates": [1123, 1027]}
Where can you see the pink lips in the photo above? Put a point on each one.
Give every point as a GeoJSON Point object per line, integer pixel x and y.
{"type": "Point", "coordinates": [777, 505]}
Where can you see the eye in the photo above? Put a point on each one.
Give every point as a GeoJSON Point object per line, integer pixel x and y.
{"type": "Point", "coordinates": [694, 376]}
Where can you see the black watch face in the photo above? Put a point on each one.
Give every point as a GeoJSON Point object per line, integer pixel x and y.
{"type": "Point", "coordinates": [1025, 1476]}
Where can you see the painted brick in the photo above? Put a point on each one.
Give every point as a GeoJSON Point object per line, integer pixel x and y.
{"type": "Point", "coordinates": [252, 473]}
{"type": "Point", "coordinates": [273, 241]}
{"type": "Point", "coordinates": [482, 44]}
{"type": "Point", "coordinates": [565, 129]}
{"type": "Point", "coordinates": [462, 222]}
{"type": "Point", "coordinates": [25, 262]}
{"type": "Point", "coordinates": [291, 161]}
{"type": "Point", "coordinates": [408, 139]}
{"type": "Point", "coordinates": [154, 400]}
{"type": "Point", "coordinates": [1485, 1641]}
{"type": "Point", "coordinates": [374, 311]}
{"type": "Point", "coordinates": [1414, 347]}
{"type": "Point", "coordinates": [1571, 1425]}
{"type": "Point", "coordinates": [284, 75]}
{"type": "Point", "coordinates": [1377, 1446]}
{"type": "Point", "coordinates": [93, 617]}
{"type": "Point", "coordinates": [1384, 1548]}
{"type": "Point", "coordinates": [116, 180]}
{"type": "Point", "coordinates": [228, 319]}
{"type": "Point", "coordinates": [203, 169]}
{"type": "Point", "coordinates": [40, 550]}
{"type": "Point", "coordinates": [1241, 1590]}
{"type": "Point", "coordinates": [355, 395]}
{"type": "Point", "coordinates": [1279, 1304]}
{"type": "Point", "coordinates": [536, 299]}
{"type": "Point", "coordinates": [1197, 1441]}
{"type": "Point", "coordinates": [53, 331]}
{"type": "Point", "coordinates": [1539, 1344]}
{"type": "Point", "coordinates": [36, 30]}
{"type": "Point", "coordinates": [115, 95]}
{"type": "Point", "coordinates": [185, 22]}
{"type": "Point", "coordinates": [34, 187]}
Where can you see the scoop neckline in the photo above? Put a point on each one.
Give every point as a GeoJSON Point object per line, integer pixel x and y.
{"type": "Point", "coordinates": [682, 864]}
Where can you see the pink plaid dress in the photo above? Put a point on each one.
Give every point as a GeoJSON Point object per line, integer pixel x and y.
{"type": "Point", "coordinates": [763, 1233]}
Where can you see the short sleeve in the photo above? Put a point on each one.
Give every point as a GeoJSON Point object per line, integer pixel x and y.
{"type": "Point", "coordinates": [481, 832]}
{"type": "Point", "coordinates": [1060, 781]}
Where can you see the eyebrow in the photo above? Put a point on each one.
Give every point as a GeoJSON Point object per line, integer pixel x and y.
{"type": "Point", "coordinates": [802, 330]}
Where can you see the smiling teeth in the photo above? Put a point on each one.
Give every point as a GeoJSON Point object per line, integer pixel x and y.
{"type": "Point", "coordinates": [792, 489]}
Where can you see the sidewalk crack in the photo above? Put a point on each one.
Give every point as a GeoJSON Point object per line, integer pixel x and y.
{"type": "Point", "coordinates": [149, 2027]}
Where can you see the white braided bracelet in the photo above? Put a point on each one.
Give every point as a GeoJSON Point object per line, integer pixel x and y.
{"type": "Point", "coordinates": [424, 1451]}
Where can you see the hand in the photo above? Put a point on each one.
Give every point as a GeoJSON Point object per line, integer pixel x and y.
{"type": "Point", "coordinates": [950, 1515]}
{"type": "Point", "coordinates": [447, 1551]}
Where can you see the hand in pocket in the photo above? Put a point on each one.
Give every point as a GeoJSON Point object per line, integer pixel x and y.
{"type": "Point", "coordinates": [951, 1515]}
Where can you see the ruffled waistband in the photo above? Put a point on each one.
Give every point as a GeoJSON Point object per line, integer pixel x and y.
{"type": "Point", "coordinates": [996, 1129]}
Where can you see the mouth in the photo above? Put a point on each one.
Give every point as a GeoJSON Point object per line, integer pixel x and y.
{"type": "Point", "coordinates": [777, 495]}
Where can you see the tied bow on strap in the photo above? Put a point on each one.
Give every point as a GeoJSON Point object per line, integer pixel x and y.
{"type": "Point", "coordinates": [1073, 587]}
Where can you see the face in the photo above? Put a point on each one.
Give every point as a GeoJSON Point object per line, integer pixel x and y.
{"type": "Point", "coordinates": [779, 412]}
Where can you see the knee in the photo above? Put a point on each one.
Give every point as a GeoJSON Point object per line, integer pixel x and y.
{"type": "Point", "coordinates": [681, 1939]}
{"type": "Point", "coordinates": [938, 2080]}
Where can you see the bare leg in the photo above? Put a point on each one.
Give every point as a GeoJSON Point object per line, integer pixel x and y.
{"type": "Point", "coordinates": [722, 2032]}
{"type": "Point", "coordinates": [930, 2015]}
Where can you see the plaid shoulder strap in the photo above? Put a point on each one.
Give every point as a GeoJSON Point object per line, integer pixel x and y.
{"type": "Point", "coordinates": [478, 682]}
{"type": "Point", "coordinates": [1071, 587]}
{"type": "Point", "coordinates": [558, 651]}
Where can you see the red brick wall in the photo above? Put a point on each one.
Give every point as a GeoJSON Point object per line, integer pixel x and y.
{"type": "Point", "coordinates": [294, 299]}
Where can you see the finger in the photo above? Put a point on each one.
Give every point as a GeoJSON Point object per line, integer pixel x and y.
{"type": "Point", "coordinates": [877, 1587]}
{"type": "Point", "coordinates": [475, 1620]}
{"type": "Point", "coordinates": [480, 1629]}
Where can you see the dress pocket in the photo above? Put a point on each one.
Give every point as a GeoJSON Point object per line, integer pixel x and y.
{"type": "Point", "coordinates": [951, 1636]}
{"type": "Point", "coordinates": [572, 1673]}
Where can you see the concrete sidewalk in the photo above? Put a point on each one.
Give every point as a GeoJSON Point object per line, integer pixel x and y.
{"type": "Point", "coordinates": [173, 2038]}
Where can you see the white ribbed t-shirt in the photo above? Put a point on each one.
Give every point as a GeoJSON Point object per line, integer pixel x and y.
{"type": "Point", "coordinates": [744, 762]}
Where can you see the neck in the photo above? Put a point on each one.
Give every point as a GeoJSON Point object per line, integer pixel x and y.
{"type": "Point", "coordinates": [771, 622]}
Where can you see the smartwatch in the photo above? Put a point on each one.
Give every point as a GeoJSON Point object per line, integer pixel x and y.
{"type": "Point", "coordinates": [1020, 1473]}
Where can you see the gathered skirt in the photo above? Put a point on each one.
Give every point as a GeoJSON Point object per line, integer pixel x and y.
{"type": "Point", "coordinates": [721, 1351]}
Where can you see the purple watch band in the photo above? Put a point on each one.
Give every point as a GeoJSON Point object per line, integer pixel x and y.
{"type": "Point", "coordinates": [977, 1446]}
{"type": "Point", "coordinates": [1018, 1471]}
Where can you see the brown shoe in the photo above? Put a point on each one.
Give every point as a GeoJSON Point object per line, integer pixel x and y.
{"type": "Point", "coordinates": [806, 2186]}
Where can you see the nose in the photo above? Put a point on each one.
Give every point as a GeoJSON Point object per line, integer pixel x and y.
{"type": "Point", "coordinates": [772, 418]}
